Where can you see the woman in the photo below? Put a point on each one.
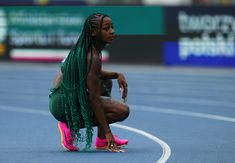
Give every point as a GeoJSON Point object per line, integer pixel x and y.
{"type": "Point", "coordinates": [80, 99]}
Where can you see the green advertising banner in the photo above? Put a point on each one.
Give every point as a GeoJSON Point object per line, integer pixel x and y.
{"type": "Point", "coordinates": [58, 27]}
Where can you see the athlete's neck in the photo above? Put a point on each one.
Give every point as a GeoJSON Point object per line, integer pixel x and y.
{"type": "Point", "coordinates": [99, 46]}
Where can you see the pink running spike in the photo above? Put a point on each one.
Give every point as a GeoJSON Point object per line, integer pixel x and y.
{"type": "Point", "coordinates": [66, 140]}
{"type": "Point", "coordinates": [102, 143]}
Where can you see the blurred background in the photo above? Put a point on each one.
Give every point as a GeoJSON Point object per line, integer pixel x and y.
{"type": "Point", "coordinates": [178, 57]}
{"type": "Point", "coordinates": [167, 32]}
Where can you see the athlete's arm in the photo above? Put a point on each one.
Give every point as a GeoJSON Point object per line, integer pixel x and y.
{"type": "Point", "coordinates": [93, 85]}
{"type": "Point", "coordinates": [108, 75]}
{"type": "Point", "coordinates": [57, 79]}
{"type": "Point", "coordinates": [121, 81]}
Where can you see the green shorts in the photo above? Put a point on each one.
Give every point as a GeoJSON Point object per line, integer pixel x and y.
{"type": "Point", "coordinates": [55, 100]}
{"type": "Point", "coordinates": [55, 105]}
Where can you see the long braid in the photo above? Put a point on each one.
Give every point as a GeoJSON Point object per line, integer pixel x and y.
{"type": "Point", "coordinates": [73, 86]}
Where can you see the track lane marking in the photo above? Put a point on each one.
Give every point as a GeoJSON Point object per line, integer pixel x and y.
{"type": "Point", "coordinates": [165, 147]}
{"type": "Point", "coordinates": [183, 113]}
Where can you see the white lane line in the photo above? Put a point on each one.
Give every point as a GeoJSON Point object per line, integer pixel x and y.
{"type": "Point", "coordinates": [180, 112]}
{"type": "Point", "coordinates": [165, 147]}
{"type": "Point", "coordinates": [185, 100]}
{"type": "Point", "coordinates": [23, 110]}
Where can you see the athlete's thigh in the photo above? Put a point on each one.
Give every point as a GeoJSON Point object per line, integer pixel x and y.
{"type": "Point", "coordinates": [111, 105]}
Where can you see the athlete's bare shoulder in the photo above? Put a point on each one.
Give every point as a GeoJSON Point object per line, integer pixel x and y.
{"type": "Point", "coordinates": [95, 61]}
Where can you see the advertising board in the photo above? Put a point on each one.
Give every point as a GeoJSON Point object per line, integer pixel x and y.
{"type": "Point", "coordinates": [47, 33]}
{"type": "Point", "coordinates": [200, 36]}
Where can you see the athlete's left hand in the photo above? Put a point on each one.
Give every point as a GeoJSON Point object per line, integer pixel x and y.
{"type": "Point", "coordinates": [112, 146]}
{"type": "Point", "coordinates": [123, 86]}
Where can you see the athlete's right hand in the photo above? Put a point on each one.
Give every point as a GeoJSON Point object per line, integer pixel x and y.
{"type": "Point", "coordinates": [112, 146]}
{"type": "Point", "coordinates": [123, 86]}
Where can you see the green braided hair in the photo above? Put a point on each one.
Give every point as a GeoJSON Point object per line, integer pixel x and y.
{"type": "Point", "coordinates": [74, 95]}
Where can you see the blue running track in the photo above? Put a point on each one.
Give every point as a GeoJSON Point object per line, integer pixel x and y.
{"type": "Point", "coordinates": [178, 115]}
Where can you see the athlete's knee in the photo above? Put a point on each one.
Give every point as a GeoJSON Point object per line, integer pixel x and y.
{"type": "Point", "coordinates": [125, 111]}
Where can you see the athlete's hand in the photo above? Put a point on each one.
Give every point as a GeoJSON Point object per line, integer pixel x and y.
{"type": "Point", "coordinates": [112, 146]}
{"type": "Point", "coordinates": [123, 86]}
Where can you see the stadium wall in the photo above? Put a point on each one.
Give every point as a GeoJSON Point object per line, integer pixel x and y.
{"type": "Point", "coordinates": [189, 36]}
